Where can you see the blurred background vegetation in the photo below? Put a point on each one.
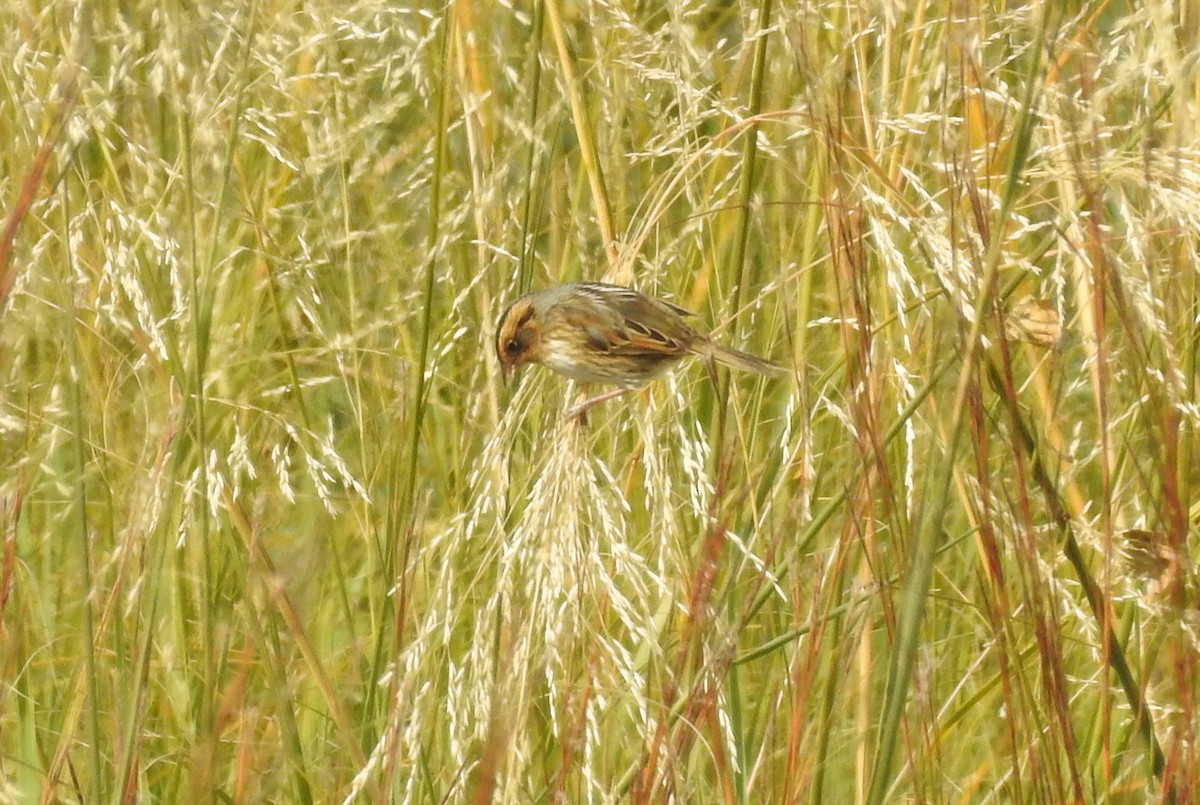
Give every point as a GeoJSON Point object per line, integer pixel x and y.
{"type": "Point", "coordinates": [274, 530]}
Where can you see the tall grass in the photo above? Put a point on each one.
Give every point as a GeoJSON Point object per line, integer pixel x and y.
{"type": "Point", "coordinates": [275, 530]}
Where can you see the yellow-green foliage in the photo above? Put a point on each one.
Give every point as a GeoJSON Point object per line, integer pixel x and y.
{"type": "Point", "coordinates": [274, 529]}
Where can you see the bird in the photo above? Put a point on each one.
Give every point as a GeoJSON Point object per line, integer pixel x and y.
{"type": "Point", "coordinates": [594, 332]}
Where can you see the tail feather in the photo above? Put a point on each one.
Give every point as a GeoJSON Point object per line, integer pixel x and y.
{"type": "Point", "coordinates": [736, 359]}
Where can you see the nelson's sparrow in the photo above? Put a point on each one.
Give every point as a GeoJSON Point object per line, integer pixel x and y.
{"type": "Point", "coordinates": [593, 332]}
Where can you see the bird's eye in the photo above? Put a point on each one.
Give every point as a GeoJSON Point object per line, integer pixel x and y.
{"type": "Point", "coordinates": [512, 347]}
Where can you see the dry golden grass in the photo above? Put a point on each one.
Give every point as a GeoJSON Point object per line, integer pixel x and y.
{"type": "Point", "coordinates": [273, 530]}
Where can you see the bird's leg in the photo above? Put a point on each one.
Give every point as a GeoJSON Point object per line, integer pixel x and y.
{"type": "Point", "coordinates": [578, 409]}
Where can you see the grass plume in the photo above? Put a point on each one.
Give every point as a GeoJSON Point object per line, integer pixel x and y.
{"type": "Point", "coordinates": [274, 528]}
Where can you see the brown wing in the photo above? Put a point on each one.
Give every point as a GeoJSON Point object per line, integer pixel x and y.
{"type": "Point", "coordinates": [622, 321]}
{"type": "Point", "coordinates": [645, 334]}
{"type": "Point", "coordinates": [650, 326]}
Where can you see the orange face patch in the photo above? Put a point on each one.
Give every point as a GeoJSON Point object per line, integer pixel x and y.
{"type": "Point", "coordinates": [518, 336]}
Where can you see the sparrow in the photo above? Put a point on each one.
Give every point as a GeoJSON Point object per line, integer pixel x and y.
{"type": "Point", "coordinates": [593, 332]}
